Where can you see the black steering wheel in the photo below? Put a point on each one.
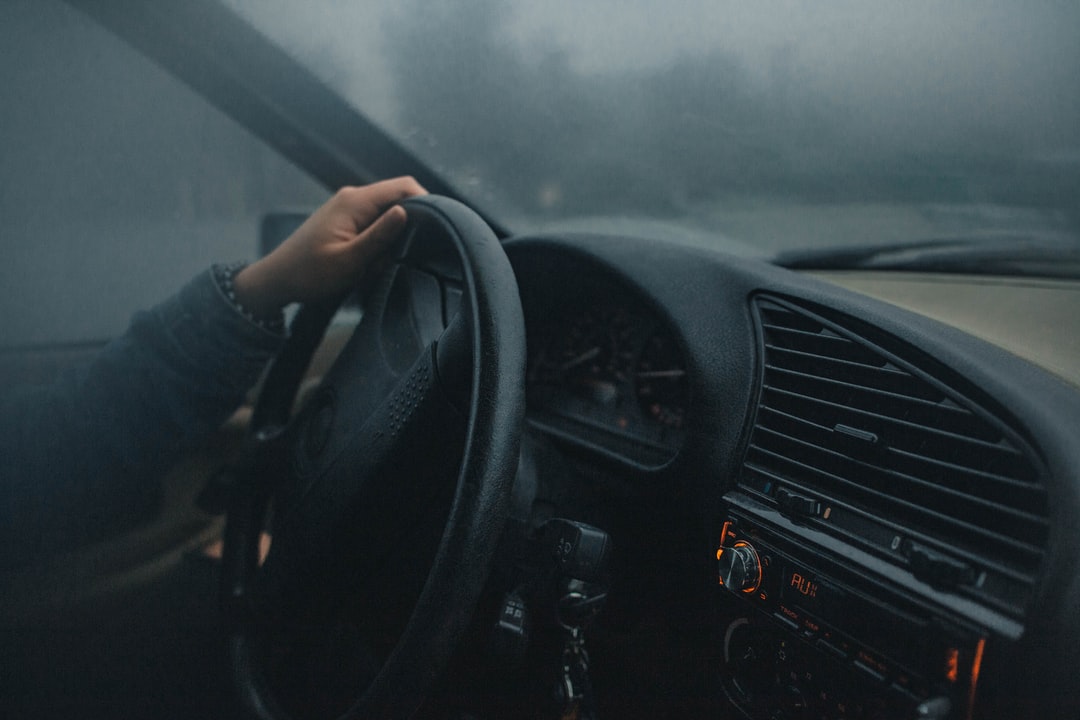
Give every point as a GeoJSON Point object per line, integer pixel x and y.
{"type": "Point", "coordinates": [389, 489]}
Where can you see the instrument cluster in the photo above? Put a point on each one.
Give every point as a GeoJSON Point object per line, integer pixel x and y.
{"type": "Point", "coordinates": [608, 374]}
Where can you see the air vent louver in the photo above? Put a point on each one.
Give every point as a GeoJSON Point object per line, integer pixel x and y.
{"type": "Point", "coordinates": [889, 447]}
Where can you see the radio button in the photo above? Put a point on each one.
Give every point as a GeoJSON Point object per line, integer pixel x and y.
{"type": "Point", "coordinates": [905, 693]}
{"type": "Point", "coordinates": [810, 627]}
{"type": "Point", "coordinates": [831, 649]}
{"type": "Point", "coordinates": [871, 664]}
{"type": "Point", "coordinates": [788, 622]}
{"type": "Point", "coordinates": [869, 671]}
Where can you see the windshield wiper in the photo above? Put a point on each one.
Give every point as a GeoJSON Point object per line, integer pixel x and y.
{"type": "Point", "coordinates": [1051, 256]}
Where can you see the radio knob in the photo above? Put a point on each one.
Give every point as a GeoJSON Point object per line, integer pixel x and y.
{"type": "Point", "coordinates": [740, 570]}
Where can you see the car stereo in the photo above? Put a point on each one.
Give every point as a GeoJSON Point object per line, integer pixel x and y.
{"type": "Point", "coordinates": [817, 638]}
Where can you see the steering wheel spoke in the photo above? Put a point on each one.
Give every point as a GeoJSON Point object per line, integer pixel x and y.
{"type": "Point", "coordinates": [394, 478]}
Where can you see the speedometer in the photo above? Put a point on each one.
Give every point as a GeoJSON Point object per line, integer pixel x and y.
{"type": "Point", "coordinates": [661, 382]}
{"type": "Point", "coordinates": [594, 358]}
{"type": "Point", "coordinates": [606, 374]}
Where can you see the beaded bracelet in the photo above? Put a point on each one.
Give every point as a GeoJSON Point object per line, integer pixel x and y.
{"type": "Point", "coordinates": [225, 277]}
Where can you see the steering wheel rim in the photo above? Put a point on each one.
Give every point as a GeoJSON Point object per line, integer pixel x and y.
{"type": "Point", "coordinates": [495, 340]}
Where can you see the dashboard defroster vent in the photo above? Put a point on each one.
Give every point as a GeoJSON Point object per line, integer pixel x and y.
{"type": "Point", "coordinates": [855, 440]}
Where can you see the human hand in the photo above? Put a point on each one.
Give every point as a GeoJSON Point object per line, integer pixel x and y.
{"type": "Point", "coordinates": [331, 251]}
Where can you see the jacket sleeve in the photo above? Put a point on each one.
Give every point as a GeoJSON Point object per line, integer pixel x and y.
{"type": "Point", "coordinates": [71, 451]}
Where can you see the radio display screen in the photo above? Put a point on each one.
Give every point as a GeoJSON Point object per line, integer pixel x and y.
{"type": "Point", "coordinates": [885, 628]}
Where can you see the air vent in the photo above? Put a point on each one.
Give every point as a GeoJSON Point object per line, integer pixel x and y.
{"type": "Point", "coordinates": [866, 445]}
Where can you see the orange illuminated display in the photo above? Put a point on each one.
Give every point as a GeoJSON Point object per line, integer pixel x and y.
{"type": "Point", "coordinates": [804, 585]}
{"type": "Point", "coordinates": [723, 537]}
{"type": "Point", "coordinates": [724, 531]}
{"type": "Point", "coordinates": [952, 665]}
{"type": "Point", "coordinates": [976, 667]}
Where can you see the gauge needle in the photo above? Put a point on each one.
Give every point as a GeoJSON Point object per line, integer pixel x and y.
{"type": "Point", "coordinates": [659, 374]}
{"type": "Point", "coordinates": [582, 358]}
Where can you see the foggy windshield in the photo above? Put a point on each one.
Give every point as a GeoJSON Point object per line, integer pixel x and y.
{"type": "Point", "coordinates": [778, 124]}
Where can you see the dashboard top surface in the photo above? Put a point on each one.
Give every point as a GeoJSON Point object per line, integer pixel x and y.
{"type": "Point", "coordinates": [1033, 318]}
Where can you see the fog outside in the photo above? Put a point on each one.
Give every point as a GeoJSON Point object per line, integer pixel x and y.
{"type": "Point", "coordinates": [845, 121]}
{"type": "Point", "coordinates": [784, 124]}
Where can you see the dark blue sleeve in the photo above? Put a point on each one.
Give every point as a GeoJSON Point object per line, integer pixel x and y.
{"type": "Point", "coordinates": [70, 451]}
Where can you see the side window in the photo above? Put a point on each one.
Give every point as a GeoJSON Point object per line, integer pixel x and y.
{"type": "Point", "coordinates": [117, 182]}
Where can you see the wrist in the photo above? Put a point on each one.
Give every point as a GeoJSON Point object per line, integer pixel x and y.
{"type": "Point", "coordinates": [257, 290]}
{"type": "Point", "coordinates": [246, 288]}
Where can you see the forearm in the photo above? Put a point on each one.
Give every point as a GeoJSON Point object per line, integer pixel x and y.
{"type": "Point", "coordinates": [180, 370]}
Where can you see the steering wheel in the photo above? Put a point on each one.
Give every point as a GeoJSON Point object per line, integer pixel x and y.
{"type": "Point", "coordinates": [413, 434]}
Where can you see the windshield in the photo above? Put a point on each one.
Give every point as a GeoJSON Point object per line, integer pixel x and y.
{"type": "Point", "coordinates": [783, 125]}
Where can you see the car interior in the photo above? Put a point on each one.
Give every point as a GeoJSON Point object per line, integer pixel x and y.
{"type": "Point", "coordinates": [550, 473]}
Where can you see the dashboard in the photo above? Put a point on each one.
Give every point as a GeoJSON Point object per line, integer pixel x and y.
{"type": "Point", "coordinates": [872, 508]}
